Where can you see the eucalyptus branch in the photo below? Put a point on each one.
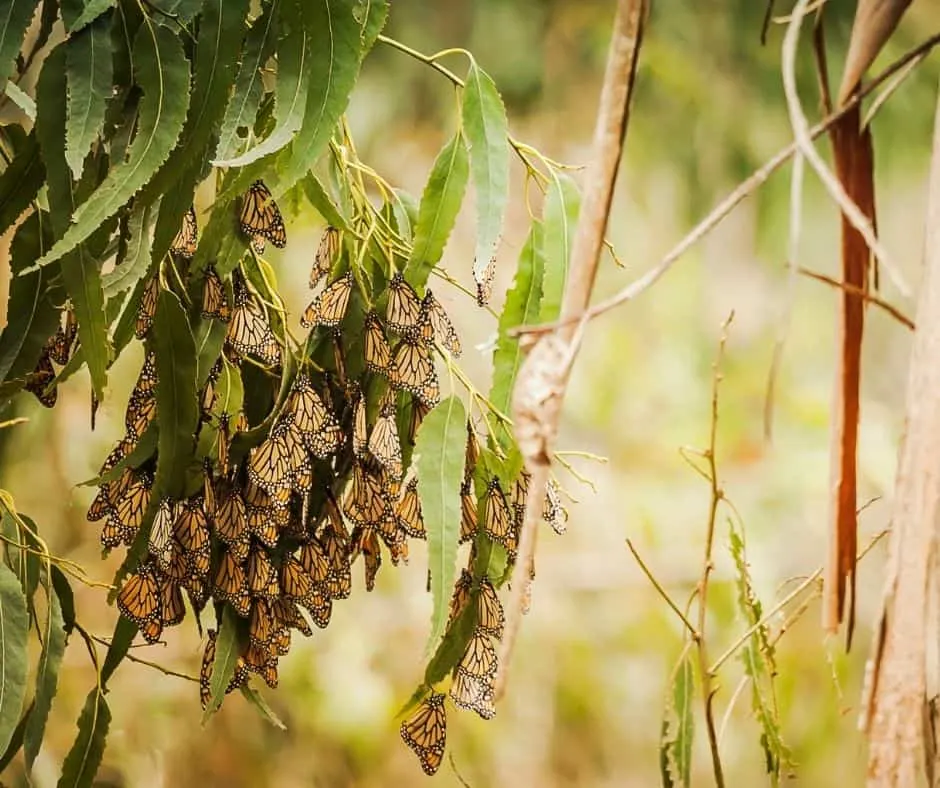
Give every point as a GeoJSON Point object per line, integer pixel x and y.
{"type": "Point", "coordinates": [147, 663]}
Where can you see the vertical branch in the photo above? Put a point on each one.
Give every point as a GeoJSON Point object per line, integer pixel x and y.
{"type": "Point", "coordinates": [543, 378]}
{"type": "Point", "coordinates": [897, 673]}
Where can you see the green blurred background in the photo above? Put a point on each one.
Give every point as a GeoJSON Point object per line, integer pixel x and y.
{"type": "Point", "coordinates": [593, 659]}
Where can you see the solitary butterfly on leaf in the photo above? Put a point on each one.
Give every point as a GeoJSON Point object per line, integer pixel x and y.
{"type": "Point", "coordinates": [260, 218]}
{"type": "Point", "coordinates": [425, 732]}
{"type": "Point", "coordinates": [184, 244]}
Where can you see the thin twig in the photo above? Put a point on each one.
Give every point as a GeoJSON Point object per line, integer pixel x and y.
{"type": "Point", "coordinates": [662, 592]}
{"type": "Point", "coordinates": [147, 663]}
{"type": "Point", "coordinates": [801, 133]}
{"type": "Point", "coordinates": [863, 294]}
{"type": "Point", "coordinates": [727, 205]}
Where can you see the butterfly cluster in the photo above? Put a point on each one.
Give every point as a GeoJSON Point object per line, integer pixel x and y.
{"type": "Point", "coordinates": [59, 348]}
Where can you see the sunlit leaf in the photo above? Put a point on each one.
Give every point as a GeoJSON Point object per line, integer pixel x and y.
{"type": "Point", "coordinates": [321, 200]}
{"type": "Point", "coordinates": [440, 449]}
{"type": "Point", "coordinates": [486, 128]}
{"type": "Point", "coordinates": [13, 23]}
{"type": "Point", "coordinates": [559, 217]}
{"type": "Point", "coordinates": [678, 729]}
{"type": "Point", "coordinates": [257, 700]}
{"type": "Point", "coordinates": [440, 204]}
{"type": "Point", "coordinates": [162, 72]}
{"type": "Point", "coordinates": [14, 630]}
{"type": "Point", "coordinates": [21, 99]}
{"type": "Point", "coordinates": [227, 649]}
{"type": "Point", "coordinates": [47, 675]}
{"type": "Point", "coordinates": [372, 16]}
{"type": "Point", "coordinates": [82, 762]}
{"type": "Point", "coordinates": [22, 178]}
{"type": "Point", "coordinates": [89, 74]}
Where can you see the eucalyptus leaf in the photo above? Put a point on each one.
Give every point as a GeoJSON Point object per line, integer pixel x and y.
{"type": "Point", "coordinates": [14, 631]}
{"type": "Point", "coordinates": [82, 762]}
{"type": "Point", "coordinates": [560, 217]}
{"type": "Point", "coordinates": [227, 649]}
{"type": "Point", "coordinates": [13, 24]}
{"type": "Point", "coordinates": [23, 177]}
{"type": "Point", "coordinates": [89, 73]}
{"type": "Point", "coordinates": [47, 675]}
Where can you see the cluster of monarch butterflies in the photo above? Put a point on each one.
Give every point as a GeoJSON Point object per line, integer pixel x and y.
{"type": "Point", "coordinates": [41, 382]}
{"type": "Point", "coordinates": [287, 498]}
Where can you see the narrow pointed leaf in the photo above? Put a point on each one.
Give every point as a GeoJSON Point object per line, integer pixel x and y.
{"type": "Point", "coordinates": [60, 584]}
{"type": "Point", "coordinates": [22, 179]}
{"type": "Point", "coordinates": [133, 265]}
{"type": "Point", "coordinates": [162, 72]}
{"type": "Point", "coordinates": [559, 216]}
{"type": "Point", "coordinates": [487, 131]}
{"type": "Point", "coordinates": [522, 306]}
{"type": "Point", "coordinates": [15, 18]}
{"type": "Point", "coordinates": [680, 745]}
{"type": "Point", "coordinates": [182, 11]}
{"type": "Point", "coordinates": [78, 13]}
{"type": "Point", "coordinates": [227, 649]}
{"type": "Point", "coordinates": [372, 15]}
{"type": "Point", "coordinates": [246, 98]}
{"type": "Point", "coordinates": [16, 740]}
{"type": "Point", "coordinates": [21, 99]}
{"type": "Point", "coordinates": [47, 676]}
{"type": "Point", "coordinates": [124, 633]}
{"type": "Point", "coordinates": [321, 200]}
{"type": "Point", "coordinates": [14, 630]}
{"type": "Point", "coordinates": [440, 204]}
{"type": "Point", "coordinates": [88, 65]}
{"type": "Point", "coordinates": [257, 700]}
{"type": "Point", "coordinates": [177, 407]}
{"type": "Point", "coordinates": [334, 65]}
{"type": "Point", "coordinates": [82, 762]}
{"type": "Point", "coordinates": [440, 449]}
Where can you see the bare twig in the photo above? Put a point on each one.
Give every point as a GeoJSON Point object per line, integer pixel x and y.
{"type": "Point", "coordinates": [148, 663]}
{"type": "Point", "coordinates": [662, 592]}
{"type": "Point", "coordinates": [543, 378]}
{"type": "Point", "coordinates": [728, 204]}
{"type": "Point", "coordinates": [874, 300]}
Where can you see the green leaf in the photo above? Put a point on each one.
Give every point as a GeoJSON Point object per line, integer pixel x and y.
{"type": "Point", "coordinates": [227, 650]}
{"type": "Point", "coordinates": [678, 728]}
{"type": "Point", "coordinates": [22, 178]}
{"type": "Point", "coordinates": [162, 73]}
{"type": "Point", "coordinates": [179, 11]}
{"type": "Point", "coordinates": [124, 633]}
{"type": "Point", "coordinates": [257, 700]}
{"type": "Point", "coordinates": [21, 99]}
{"type": "Point", "coordinates": [14, 630]}
{"type": "Point", "coordinates": [440, 203]}
{"type": "Point", "coordinates": [133, 265]}
{"type": "Point", "coordinates": [487, 131]}
{"type": "Point", "coordinates": [16, 740]}
{"type": "Point", "coordinates": [372, 16]}
{"type": "Point", "coordinates": [336, 45]}
{"type": "Point", "coordinates": [522, 306]}
{"type": "Point", "coordinates": [82, 762]}
{"type": "Point", "coordinates": [32, 311]}
{"type": "Point", "coordinates": [246, 98]}
{"type": "Point", "coordinates": [81, 273]}
{"type": "Point", "coordinates": [78, 13]}
{"type": "Point", "coordinates": [177, 407]}
{"type": "Point", "coordinates": [88, 65]}
{"type": "Point", "coordinates": [440, 448]}
{"type": "Point", "coordinates": [321, 200]}
{"type": "Point", "coordinates": [63, 591]}
{"type": "Point", "coordinates": [24, 561]}
{"type": "Point", "coordinates": [559, 216]}
{"type": "Point", "coordinates": [13, 23]}
{"type": "Point", "coordinates": [47, 676]}
{"type": "Point", "coordinates": [294, 54]}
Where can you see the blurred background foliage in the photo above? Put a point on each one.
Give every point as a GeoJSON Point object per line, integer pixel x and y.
{"type": "Point", "coordinates": [594, 657]}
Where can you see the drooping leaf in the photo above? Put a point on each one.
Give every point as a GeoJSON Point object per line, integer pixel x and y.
{"type": "Point", "coordinates": [487, 132]}
{"type": "Point", "coordinates": [81, 272]}
{"type": "Point", "coordinates": [14, 630]}
{"type": "Point", "coordinates": [321, 200]}
{"type": "Point", "coordinates": [47, 675]}
{"type": "Point", "coordinates": [223, 668]}
{"type": "Point", "coordinates": [132, 266]}
{"type": "Point", "coordinates": [372, 16]}
{"type": "Point", "coordinates": [559, 217]}
{"type": "Point", "coordinates": [522, 306]}
{"type": "Point", "coordinates": [440, 204]}
{"type": "Point", "coordinates": [440, 449]}
{"type": "Point", "coordinates": [63, 592]}
{"type": "Point", "coordinates": [32, 313]}
{"type": "Point", "coordinates": [82, 762]}
{"type": "Point", "coordinates": [88, 66]}
{"type": "Point", "coordinates": [16, 740]}
{"type": "Point", "coordinates": [162, 72]}
{"type": "Point", "coordinates": [177, 408]}
{"type": "Point", "coordinates": [23, 177]}
{"type": "Point", "coordinates": [24, 561]}
{"type": "Point", "coordinates": [78, 13]}
{"type": "Point", "coordinates": [405, 209]}
{"type": "Point", "coordinates": [246, 98]}
{"type": "Point", "coordinates": [257, 700]}
{"type": "Point", "coordinates": [334, 65]}
{"type": "Point", "coordinates": [13, 23]}
{"type": "Point", "coordinates": [179, 11]}
{"type": "Point", "coordinates": [678, 727]}
{"type": "Point", "coordinates": [21, 99]}
{"type": "Point", "coordinates": [121, 639]}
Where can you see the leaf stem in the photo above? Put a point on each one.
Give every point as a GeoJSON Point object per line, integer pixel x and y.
{"type": "Point", "coordinates": [693, 632]}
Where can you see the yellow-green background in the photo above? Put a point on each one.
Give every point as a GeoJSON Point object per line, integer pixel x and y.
{"type": "Point", "coordinates": [593, 658]}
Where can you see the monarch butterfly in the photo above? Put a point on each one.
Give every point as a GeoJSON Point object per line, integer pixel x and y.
{"type": "Point", "coordinates": [484, 281]}
{"type": "Point", "coordinates": [425, 732]}
{"type": "Point", "coordinates": [479, 659]}
{"type": "Point", "coordinates": [141, 410]}
{"type": "Point", "coordinates": [384, 444]}
{"type": "Point", "coordinates": [366, 541]}
{"type": "Point", "coordinates": [162, 543]}
{"type": "Point", "coordinates": [37, 382]}
{"type": "Point", "coordinates": [472, 453]}
{"type": "Point", "coordinates": [403, 312]}
{"type": "Point", "coordinates": [270, 464]}
{"type": "Point", "coordinates": [184, 244]}
{"type": "Point", "coordinates": [147, 307]}
{"type": "Point", "coordinates": [296, 583]}
{"type": "Point", "coordinates": [225, 442]}
{"type": "Point", "coordinates": [248, 330]}
{"type": "Point", "coordinates": [497, 521]}
{"type": "Point", "coordinates": [258, 496]}
{"type": "Point", "coordinates": [360, 435]}
{"type": "Point", "coordinates": [339, 580]}
{"type": "Point", "coordinates": [319, 430]}
{"type": "Point", "coordinates": [261, 625]}
{"type": "Point", "coordinates": [328, 307]}
{"type": "Point", "coordinates": [261, 218]}
{"type": "Point", "coordinates": [192, 530]}
{"type": "Point", "coordinates": [520, 491]}
{"type": "Point", "coordinates": [366, 503]}
{"type": "Point", "coordinates": [263, 524]}
{"type": "Point", "coordinates": [553, 511]}
{"type": "Point", "coordinates": [282, 641]}
{"type": "Point", "coordinates": [208, 397]}
{"type": "Point", "coordinates": [171, 602]}
{"type": "Point", "coordinates": [147, 379]}
{"type": "Point", "coordinates": [461, 595]}
{"type": "Point", "coordinates": [474, 694]}
{"type": "Point", "coordinates": [490, 619]}
{"type": "Point", "coordinates": [418, 411]}
{"type": "Point", "coordinates": [408, 511]}
{"type": "Point", "coordinates": [326, 253]}
{"type": "Point", "coordinates": [262, 663]}
{"type": "Point", "coordinates": [315, 562]}
{"type": "Point", "coordinates": [262, 577]}
{"type": "Point", "coordinates": [139, 601]}
{"type": "Point", "coordinates": [288, 615]}
{"type": "Point", "coordinates": [230, 520]}
{"type": "Point", "coordinates": [214, 300]}
{"type": "Point", "coordinates": [205, 670]}
{"type": "Point", "coordinates": [468, 512]}
{"type": "Point", "coordinates": [378, 355]}
{"type": "Point", "coordinates": [100, 506]}
{"type": "Point", "coordinates": [413, 370]}
{"type": "Point", "coordinates": [128, 513]}
{"type": "Point", "coordinates": [230, 583]}
{"type": "Point", "coordinates": [60, 344]}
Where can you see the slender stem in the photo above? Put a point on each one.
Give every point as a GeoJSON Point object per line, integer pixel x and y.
{"type": "Point", "coordinates": [896, 313]}
{"type": "Point", "coordinates": [130, 657]}
{"type": "Point", "coordinates": [662, 592]}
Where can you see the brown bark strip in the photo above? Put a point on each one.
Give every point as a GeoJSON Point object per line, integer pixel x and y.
{"type": "Point", "coordinates": [854, 167]}
{"type": "Point", "coordinates": [897, 673]}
